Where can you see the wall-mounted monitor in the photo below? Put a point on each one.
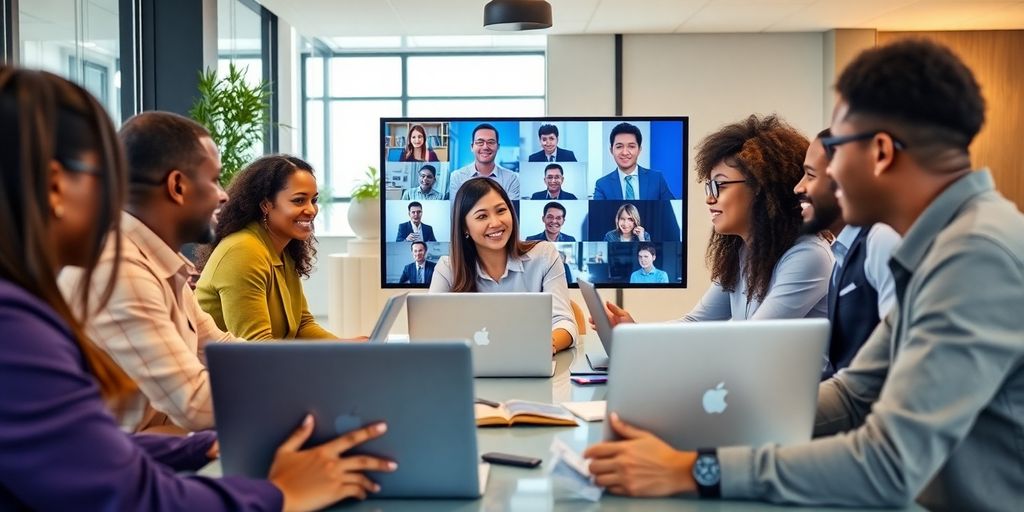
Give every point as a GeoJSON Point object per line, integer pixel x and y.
{"type": "Point", "coordinates": [609, 192]}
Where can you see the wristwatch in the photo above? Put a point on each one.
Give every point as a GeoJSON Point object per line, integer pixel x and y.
{"type": "Point", "coordinates": [707, 473]}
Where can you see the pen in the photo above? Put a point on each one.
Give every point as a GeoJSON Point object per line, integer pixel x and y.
{"type": "Point", "coordinates": [484, 401]}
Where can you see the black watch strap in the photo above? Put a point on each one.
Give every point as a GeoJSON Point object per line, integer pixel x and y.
{"type": "Point", "coordinates": [707, 473]}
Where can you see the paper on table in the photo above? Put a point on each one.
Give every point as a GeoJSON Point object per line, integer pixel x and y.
{"type": "Point", "coordinates": [588, 411]}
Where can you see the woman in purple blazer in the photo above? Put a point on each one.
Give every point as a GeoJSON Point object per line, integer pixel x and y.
{"type": "Point", "coordinates": [62, 184]}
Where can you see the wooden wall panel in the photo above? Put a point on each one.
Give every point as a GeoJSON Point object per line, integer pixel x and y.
{"type": "Point", "coordinates": [997, 59]}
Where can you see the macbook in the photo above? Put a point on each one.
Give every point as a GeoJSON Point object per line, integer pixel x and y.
{"type": "Point", "coordinates": [387, 318]}
{"type": "Point", "coordinates": [597, 359]}
{"type": "Point", "coordinates": [510, 333]}
{"type": "Point", "coordinates": [261, 392]}
{"type": "Point", "coordinates": [708, 384]}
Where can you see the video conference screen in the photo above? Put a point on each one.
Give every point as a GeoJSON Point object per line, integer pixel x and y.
{"type": "Point", "coordinates": [608, 192]}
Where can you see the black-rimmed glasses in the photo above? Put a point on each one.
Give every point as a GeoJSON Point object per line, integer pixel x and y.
{"type": "Point", "coordinates": [80, 166]}
{"type": "Point", "coordinates": [711, 188]}
{"type": "Point", "coordinates": [830, 143]}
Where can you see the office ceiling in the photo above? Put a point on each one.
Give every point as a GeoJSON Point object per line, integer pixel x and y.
{"type": "Point", "coordinates": [340, 18]}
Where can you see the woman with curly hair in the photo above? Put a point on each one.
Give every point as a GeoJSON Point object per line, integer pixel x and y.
{"type": "Point", "coordinates": [416, 150]}
{"type": "Point", "coordinates": [761, 265]}
{"type": "Point", "coordinates": [263, 244]}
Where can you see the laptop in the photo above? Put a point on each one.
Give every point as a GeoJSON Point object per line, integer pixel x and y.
{"type": "Point", "coordinates": [261, 392]}
{"type": "Point", "coordinates": [707, 384]}
{"type": "Point", "coordinates": [387, 318]}
{"type": "Point", "coordinates": [597, 360]}
{"type": "Point", "coordinates": [510, 332]}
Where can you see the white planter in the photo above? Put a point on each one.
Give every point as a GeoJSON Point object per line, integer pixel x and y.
{"type": "Point", "coordinates": [364, 217]}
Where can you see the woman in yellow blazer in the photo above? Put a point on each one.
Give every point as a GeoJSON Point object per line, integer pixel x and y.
{"type": "Point", "coordinates": [263, 244]}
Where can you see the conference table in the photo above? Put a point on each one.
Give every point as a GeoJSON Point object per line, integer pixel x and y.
{"type": "Point", "coordinates": [515, 489]}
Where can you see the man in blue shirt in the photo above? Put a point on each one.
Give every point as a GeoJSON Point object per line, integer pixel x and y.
{"type": "Point", "coordinates": [647, 273]}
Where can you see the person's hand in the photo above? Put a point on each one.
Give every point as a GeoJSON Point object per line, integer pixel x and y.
{"type": "Point", "coordinates": [357, 339]}
{"type": "Point", "coordinates": [616, 315]}
{"type": "Point", "coordinates": [411, 237]}
{"type": "Point", "coordinates": [639, 232]}
{"type": "Point", "coordinates": [316, 477]}
{"type": "Point", "coordinates": [214, 450]}
{"type": "Point", "coordinates": [640, 464]}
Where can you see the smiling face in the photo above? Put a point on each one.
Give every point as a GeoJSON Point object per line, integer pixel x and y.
{"type": "Point", "coordinates": [549, 142]}
{"type": "Point", "coordinates": [427, 180]}
{"type": "Point", "coordinates": [419, 253]}
{"type": "Point", "coordinates": [862, 197]}
{"type": "Point", "coordinates": [416, 138]}
{"type": "Point", "coordinates": [294, 208]}
{"type": "Point", "coordinates": [646, 259]}
{"type": "Point", "coordinates": [553, 180]}
{"type": "Point", "coordinates": [730, 212]}
{"type": "Point", "coordinates": [625, 150]}
{"type": "Point", "coordinates": [485, 145]}
{"type": "Point", "coordinates": [816, 192]}
{"type": "Point", "coordinates": [489, 223]}
{"type": "Point", "coordinates": [625, 223]}
{"type": "Point", "coordinates": [553, 220]}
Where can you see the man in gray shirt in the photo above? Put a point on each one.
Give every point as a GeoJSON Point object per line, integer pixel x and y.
{"type": "Point", "coordinates": [485, 146]}
{"type": "Point", "coordinates": [932, 407]}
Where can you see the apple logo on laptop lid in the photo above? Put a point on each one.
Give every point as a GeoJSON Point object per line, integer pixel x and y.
{"type": "Point", "coordinates": [482, 337]}
{"type": "Point", "coordinates": [714, 399]}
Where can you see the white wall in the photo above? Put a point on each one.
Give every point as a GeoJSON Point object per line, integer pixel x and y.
{"type": "Point", "coordinates": [714, 79]}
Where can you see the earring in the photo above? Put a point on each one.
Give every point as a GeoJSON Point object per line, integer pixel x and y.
{"type": "Point", "coordinates": [266, 224]}
{"type": "Point", "coordinates": [58, 211]}
{"type": "Point", "coordinates": [465, 235]}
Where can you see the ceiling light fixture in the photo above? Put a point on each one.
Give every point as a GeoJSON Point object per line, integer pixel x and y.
{"type": "Point", "coordinates": [517, 15]}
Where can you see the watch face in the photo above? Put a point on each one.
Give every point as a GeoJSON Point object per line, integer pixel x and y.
{"type": "Point", "coordinates": [706, 471]}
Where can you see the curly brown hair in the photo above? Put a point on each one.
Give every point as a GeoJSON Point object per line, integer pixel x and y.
{"type": "Point", "coordinates": [262, 179]}
{"type": "Point", "coordinates": [770, 154]}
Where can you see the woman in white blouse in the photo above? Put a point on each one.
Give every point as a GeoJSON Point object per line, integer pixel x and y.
{"type": "Point", "coordinates": [488, 256]}
{"type": "Point", "coordinates": [763, 266]}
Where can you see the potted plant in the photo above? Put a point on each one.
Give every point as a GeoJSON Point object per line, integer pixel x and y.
{"type": "Point", "coordinates": [236, 114]}
{"type": "Point", "coordinates": [364, 210]}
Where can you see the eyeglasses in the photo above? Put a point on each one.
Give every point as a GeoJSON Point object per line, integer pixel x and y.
{"type": "Point", "coordinates": [830, 143]}
{"type": "Point", "coordinates": [489, 142]}
{"type": "Point", "coordinates": [81, 166]}
{"type": "Point", "coordinates": [711, 188]}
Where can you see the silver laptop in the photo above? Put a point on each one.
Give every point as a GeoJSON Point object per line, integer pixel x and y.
{"type": "Point", "coordinates": [708, 384]}
{"type": "Point", "coordinates": [432, 435]}
{"type": "Point", "coordinates": [597, 359]}
{"type": "Point", "coordinates": [510, 332]}
{"type": "Point", "coordinates": [387, 318]}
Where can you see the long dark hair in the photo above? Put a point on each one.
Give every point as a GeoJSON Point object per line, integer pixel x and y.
{"type": "Point", "coordinates": [770, 154]}
{"type": "Point", "coordinates": [410, 150]}
{"type": "Point", "coordinates": [44, 118]}
{"type": "Point", "coordinates": [260, 180]}
{"type": "Point", "coordinates": [463, 252]}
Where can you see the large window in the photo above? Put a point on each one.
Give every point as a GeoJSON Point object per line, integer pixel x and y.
{"type": "Point", "coordinates": [76, 39]}
{"type": "Point", "coordinates": [347, 90]}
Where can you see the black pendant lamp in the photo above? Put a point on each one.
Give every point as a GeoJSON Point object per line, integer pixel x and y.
{"type": "Point", "coordinates": [517, 15]}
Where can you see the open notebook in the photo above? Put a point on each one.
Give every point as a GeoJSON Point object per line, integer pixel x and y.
{"type": "Point", "coordinates": [522, 412]}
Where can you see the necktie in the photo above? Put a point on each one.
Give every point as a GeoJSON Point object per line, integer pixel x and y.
{"type": "Point", "coordinates": [630, 194]}
{"type": "Point", "coordinates": [419, 274]}
{"type": "Point", "coordinates": [551, 158]}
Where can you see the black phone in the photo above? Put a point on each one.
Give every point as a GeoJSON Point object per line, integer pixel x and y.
{"type": "Point", "coordinates": [511, 460]}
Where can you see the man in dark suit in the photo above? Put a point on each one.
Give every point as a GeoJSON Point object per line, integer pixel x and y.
{"type": "Point", "coordinates": [415, 230]}
{"type": "Point", "coordinates": [554, 218]}
{"type": "Point", "coordinates": [554, 177]}
{"type": "Point", "coordinates": [861, 291]}
{"type": "Point", "coordinates": [420, 271]}
{"type": "Point", "coordinates": [629, 180]}
{"type": "Point", "coordinates": [548, 134]}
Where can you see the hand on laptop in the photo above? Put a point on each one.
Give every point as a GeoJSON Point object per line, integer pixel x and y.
{"type": "Point", "coordinates": [616, 316]}
{"type": "Point", "coordinates": [640, 464]}
{"type": "Point", "coordinates": [317, 477]}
